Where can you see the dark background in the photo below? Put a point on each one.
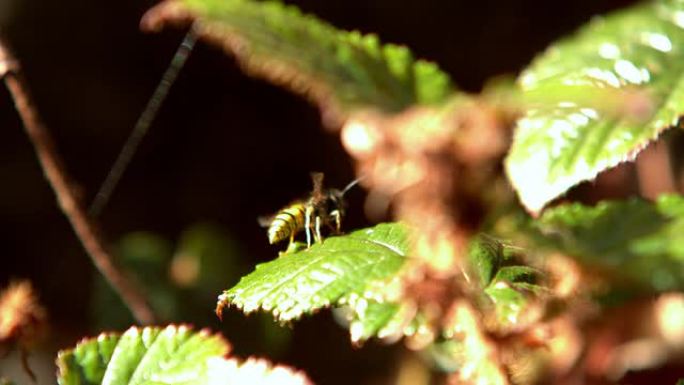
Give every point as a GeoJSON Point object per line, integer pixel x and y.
{"type": "Point", "coordinates": [224, 148]}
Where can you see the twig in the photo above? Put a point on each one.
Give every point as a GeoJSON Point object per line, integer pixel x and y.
{"type": "Point", "coordinates": [56, 175]}
{"type": "Point", "coordinates": [26, 366]}
{"type": "Point", "coordinates": [143, 124]}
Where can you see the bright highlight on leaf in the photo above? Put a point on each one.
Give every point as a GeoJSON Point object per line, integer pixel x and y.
{"type": "Point", "coordinates": [172, 355]}
{"type": "Point", "coordinates": [340, 71]}
{"type": "Point", "coordinates": [597, 99]}
{"type": "Point", "coordinates": [341, 267]}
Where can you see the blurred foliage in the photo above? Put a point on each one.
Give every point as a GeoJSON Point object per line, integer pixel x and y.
{"type": "Point", "coordinates": [508, 285]}
{"type": "Point", "coordinates": [591, 101]}
{"type": "Point", "coordinates": [637, 243]}
{"type": "Point", "coordinates": [596, 99]}
{"type": "Point", "coordinates": [181, 281]}
{"type": "Point", "coordinates": [634, 244]}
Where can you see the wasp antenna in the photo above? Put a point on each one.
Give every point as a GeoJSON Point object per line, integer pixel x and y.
{"type": "Point", "coordinates": [352, 184]}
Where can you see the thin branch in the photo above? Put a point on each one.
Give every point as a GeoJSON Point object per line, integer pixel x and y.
{"type": "Point", "coordinates": [26, 365]}
{"type": "Point", "coordinates": [143, 124]}
{"type": "Point", "coordinates": [54, 171]}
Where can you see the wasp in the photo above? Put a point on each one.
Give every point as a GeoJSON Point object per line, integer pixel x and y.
{"type": "Point", "coordinates": [323, 207]}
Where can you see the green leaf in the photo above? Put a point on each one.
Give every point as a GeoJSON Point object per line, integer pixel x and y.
{"type": "Point", "coordinates": [512, 291]}
{"type": "Point", "coordinates": [304, 281]}
{"type": "Point", "coordinates": [597, 99]}
{"type": "Point", "coordinates": [517, 274]}
{"type": "Point", "coordinates": [371, 319]}
{"type": "Point", "coordinates": [174, 355]}
{"type": "Point", "coordinates": [339, 70]}
{"type": "Point", "coordinates": [485, 257]}
{"type": "Point", "coordinates": [634, 240]}
{"type": "Point", "coordinates": [511, 288]}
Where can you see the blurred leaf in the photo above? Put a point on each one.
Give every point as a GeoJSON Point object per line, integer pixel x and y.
{"type": "Point", "coordinates": [636, 240]}
{"type": "Point", "coordinates": [517, 274]}
{"type": "Point", "coordinates": [173, 355]}
{"type": "Point", "coordinates": [510, 287]}
{"type": "Point", "coordinates": [513, 291]}
{"type": "Point", "coordinates": [485, 255]}
{"type": "Point", "coordinates": [304, 281]}
{"type": "Point", "coordinates": [597, 99]}
{"type": "Point", "coordinates": [146, 256]}
{"type": "Point", "coordinates": [145, 252]}
{"type": "Point", "coordinates": [340, 71]}
{"type": "Point", "coordinates": [205, 258]}
{"type": "Point", "coordinates": [179, 283]}
{"type": "Point", "coordinates": [370, 318]}
{"type": "Point", "coordinates": [474, 358]}
{"type": "Point", "coordinates": [447, 355]}
{"type": "Point", "coordinates": [256, 371]}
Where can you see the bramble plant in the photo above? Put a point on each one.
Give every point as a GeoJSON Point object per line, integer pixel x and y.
{"type": "Point", "coordinates": [491, 285]}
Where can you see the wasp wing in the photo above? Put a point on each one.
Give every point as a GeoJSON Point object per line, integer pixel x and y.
{"type": "Point", "coordinates": [266, 220]}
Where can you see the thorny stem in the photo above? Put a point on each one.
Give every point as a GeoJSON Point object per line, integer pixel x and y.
{"type": "Point", "coordinates": [55, 172]}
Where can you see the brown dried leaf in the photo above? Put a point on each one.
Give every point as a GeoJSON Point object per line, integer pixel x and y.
{"type": "Point", "coordinates": [21, 316]}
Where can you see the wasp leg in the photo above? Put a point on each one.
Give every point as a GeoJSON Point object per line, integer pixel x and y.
{"type": "Point", "coordinates": [338, 221]}
{"type": "Point", "coordinates": [292, 245]}
{"type": "Point", "coordinates": [317, 234]}
{"type": "Point", "coordinates": [307, 225]}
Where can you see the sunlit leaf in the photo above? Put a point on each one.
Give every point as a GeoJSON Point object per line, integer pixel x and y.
{"type": "Point", "coordinates": [304, 281]}
{"type": "Point", "coordinates": [598, 98]}
{"type": "Point", "coordinates": [340, 71]}
{"type": "Point", "coordinates": [255, 371]}
{"type": "Point", "coordinates": [172, 355]}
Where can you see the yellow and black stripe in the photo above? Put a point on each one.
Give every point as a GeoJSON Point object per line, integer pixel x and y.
{"type": "Point", "coordinates": [287, 223]}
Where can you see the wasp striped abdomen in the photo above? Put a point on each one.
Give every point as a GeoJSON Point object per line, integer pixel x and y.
{"type": "Point", "coordinates": [287, 223]}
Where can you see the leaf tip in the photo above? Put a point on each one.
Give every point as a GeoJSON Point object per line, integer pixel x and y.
{"type": "Point", "coordinates": [167, 12]}
{"type": "Point", "coordinates": [222, 303]}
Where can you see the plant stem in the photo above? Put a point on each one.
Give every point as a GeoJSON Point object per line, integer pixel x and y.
{"type": "Point", "coordinates": [55, 172]}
